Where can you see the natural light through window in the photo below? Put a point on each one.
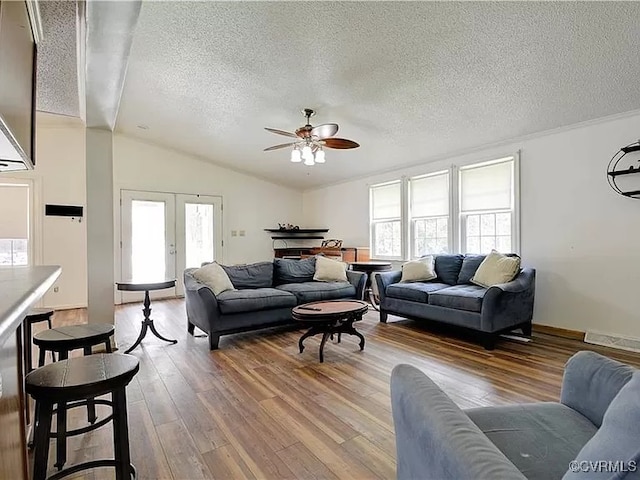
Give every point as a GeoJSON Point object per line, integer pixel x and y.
{"type": "Point", "coordinates": [470, 208]}
{"type": "Point", "coordinates": [487, 207]}
{"type": "Point", "coordinates": [429, 212]}
{"type": "Point", "coordinates": [14, 224]}
{"type": "Point", "coordinates": [199, 234]}
{"type": "Point", "coordinates": [148, 249]}
{"type": "Point", "coordinates": [386, 223]}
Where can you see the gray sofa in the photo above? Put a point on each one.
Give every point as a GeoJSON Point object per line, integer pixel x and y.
{"type": "Point", "coordinates": [266, 293]}
{"type": "Point", "coordinates": [451, 298]}
{"type": "Point", "coordinates": [595, 421]}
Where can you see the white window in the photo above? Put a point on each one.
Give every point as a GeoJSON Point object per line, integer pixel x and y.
{"type": "Point", "coordinates": [467, 209]}
{"type": "Point", "coordinates": [14, 226]}
{"type": "Point", "coordinates": [429, 214]}
{"type": "Point", "coordinates": [386, 220]}
{"type": "Point", "coordinates": [487, 207]}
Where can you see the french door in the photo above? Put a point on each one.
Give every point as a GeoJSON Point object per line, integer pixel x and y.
{"type": "Point", "coordinates": [164, 233]}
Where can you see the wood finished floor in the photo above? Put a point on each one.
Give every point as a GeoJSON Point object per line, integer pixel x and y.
{"type": "Point", "coordinates": [257, 408]}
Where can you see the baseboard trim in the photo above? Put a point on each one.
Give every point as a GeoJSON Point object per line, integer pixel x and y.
{"type": "Point", "coordinates": [559, 332]}
{"type": "Point", "coordinates": [65, 307]}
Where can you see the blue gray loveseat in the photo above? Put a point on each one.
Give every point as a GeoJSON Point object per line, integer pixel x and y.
{"type": "Point", "coordinates": [451, 298]}
{"type": "Point", "coordinates": [592, 433]}
{"type": "Point", "coordinates": [264, 296]}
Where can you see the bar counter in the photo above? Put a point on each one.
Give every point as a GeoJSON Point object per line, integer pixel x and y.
{"type": "Point", "coordinates": [20, 289]}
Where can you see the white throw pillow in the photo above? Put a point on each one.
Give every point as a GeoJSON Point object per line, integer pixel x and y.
{"type": "Point", "coordinates": [496, 268]}
{"type": "Point", "coordinates": [328, 270]}
{"type": "Point", "coordinates": [421, 270]}
{"type": "Point", "coordinates": [214, 277]}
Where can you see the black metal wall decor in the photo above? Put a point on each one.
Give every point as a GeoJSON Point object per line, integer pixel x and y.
{"type": "Point", "coordinates": [625, 162]}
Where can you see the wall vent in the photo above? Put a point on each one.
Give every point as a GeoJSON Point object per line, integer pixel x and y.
{"type": "Point", "coordinates": [614, 341]}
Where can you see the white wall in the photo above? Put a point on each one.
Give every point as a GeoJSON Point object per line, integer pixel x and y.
{"type": "Point", "coordinates": [582, 237]}
{"type": "Point", "coordinates": [250, 204]}
{"type": "Point", "coordinates": [59, 178]}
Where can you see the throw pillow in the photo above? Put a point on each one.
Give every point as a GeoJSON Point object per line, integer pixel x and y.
{"type": "Point", "coordinates": [617, 441]}
{"type": "Point", "coordinates": [496, 268]}
{"type": "Point", "coordinates": [328, 270]}
{"type": "Point", "coordinates": [287, 270]}
{"type": "Point", "coordinates": [419, 270]}
{"type": "Point", "coordinates": [214, 277]}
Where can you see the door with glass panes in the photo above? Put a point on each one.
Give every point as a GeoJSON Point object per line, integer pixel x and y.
{"type": "Point", "coordinates": [164, 233]}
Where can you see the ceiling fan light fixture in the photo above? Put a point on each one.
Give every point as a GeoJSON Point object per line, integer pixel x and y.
{"type": "Point", "coordinates": [310, 141]}
{"type": "Point", "coordinates": [307, 154]}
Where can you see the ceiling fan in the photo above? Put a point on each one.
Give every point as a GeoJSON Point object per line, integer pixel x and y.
{"type": "Point", "coordinates": [310, 141]}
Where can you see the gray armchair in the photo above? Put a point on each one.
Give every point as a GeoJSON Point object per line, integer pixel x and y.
{"type": "Point", "coordinates": [596, 419]}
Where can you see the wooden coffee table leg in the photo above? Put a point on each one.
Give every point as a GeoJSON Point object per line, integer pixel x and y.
{"type": "Point", "coordinates": [309, 333]}
{"type": "Point", "coordinates": [325, 335]}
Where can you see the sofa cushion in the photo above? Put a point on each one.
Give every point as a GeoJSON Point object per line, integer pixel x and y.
{"type": "Point", "coordinates": [253, 275]}
{"type": "Point", "coordinates": [418, 270]}
{"type": "Point", "coordinates": [214, 277]}
{"type": "Point", "coordinates": [539, 438]}
{"type": "Point", "coordinates": [293, 271]}
{"type": "Point", "coordinates": [459, 297]}
{"type": "Point", "coordinates": [618, 438]}
{"type": "Point", "coordinates": [448, 268]}
{"type": "Point", "coordinates": [416, 292]}
{"type": "Point", "coordinates": [249, 300]}
{"type": "Point", "coordinates": [468, 269]}
{"type": "Point", "coordinates": [313, 291]}
{"type": "Point", "coordinates": [329, 270]}
{"type": "Point", "coordinates": [495, 269]}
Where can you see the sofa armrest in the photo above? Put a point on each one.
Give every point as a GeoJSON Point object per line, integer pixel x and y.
{"type": "Point", "coordinates": [358, 280]}
{"type": "Point", "coordinates": [384, 279]}
{"type": "Point", "coordinates": [201, 303]}
{"type": "Point", "coordinates": [509, 304]}
{"type": "Point", "coordinates": [437, 440]}
{"type": "Point", "coordinates": [590, 383]}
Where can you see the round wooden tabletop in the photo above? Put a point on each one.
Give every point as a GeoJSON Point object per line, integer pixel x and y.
{"type": "Point", "coordinates": [328, 310]}
{"type": "Point", "coordinates": [73, 336]}
{"type": "Point", "coordinates": [372, 266]}
{"type": "Point", "coordinates": [80, 377]}
{"type": "Point", "coordinates": [142, 286]}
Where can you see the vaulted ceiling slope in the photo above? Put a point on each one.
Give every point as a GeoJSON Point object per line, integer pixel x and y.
{"type": "Point", "coordinates": [57, 71]}
{"type": "Point", "coordinates": [407, 80]}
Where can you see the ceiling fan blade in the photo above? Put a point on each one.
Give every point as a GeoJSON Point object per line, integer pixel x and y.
{"type": "Point", "coordinates": [341, 143]}
{"type": "Point", "coordinates": [325, 130]}
{"type": "Point", "coordinates": [282, 145]}
{"type": "Point", "coordinates": [281, 132]}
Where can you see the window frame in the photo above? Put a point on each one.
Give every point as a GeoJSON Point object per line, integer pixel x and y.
{"type": "Point", "coordinates": [373, 222]}
{"type": "Point", "coordinates": [456, 218]}
{"type": "Point", "coordinates": [411, 219]}
{"type": "Point", "coordinates": [514, 210]}
{"type": "Point", "coordinates": [33, 226]}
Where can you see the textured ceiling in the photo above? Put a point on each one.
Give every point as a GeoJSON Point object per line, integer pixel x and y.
{"type": "Point", "coordinates": [57, 74]}
{"type": "Point", "coordinates": [407, 80]}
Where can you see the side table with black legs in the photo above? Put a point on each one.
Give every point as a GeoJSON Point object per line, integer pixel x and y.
{"type": "Point", "coordinates": [147, 322]}
{"type": "Point", "coordinates": [369, 268]}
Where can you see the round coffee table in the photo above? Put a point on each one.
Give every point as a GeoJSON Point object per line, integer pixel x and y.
{"type": "Point", "coordinates": [369, 268]}
{"type": "Point", "coordinates": [328, 318]}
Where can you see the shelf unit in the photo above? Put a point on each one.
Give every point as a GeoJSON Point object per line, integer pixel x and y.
{"type": "Point", "coordinates": [298, 234]}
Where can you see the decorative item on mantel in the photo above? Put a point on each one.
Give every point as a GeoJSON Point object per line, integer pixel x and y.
{"type": "Point", "coordinates": [289, 231]}
{"type": "Point", "coordinates": [626, 186]}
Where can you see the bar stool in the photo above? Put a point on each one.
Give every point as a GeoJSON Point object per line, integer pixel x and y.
{"type": "Point", "coordinates": [36, 315]}
{"type": "Point", "coordinates": [62, 340]}
{"type": "Point", "coordinates": [74, 382]}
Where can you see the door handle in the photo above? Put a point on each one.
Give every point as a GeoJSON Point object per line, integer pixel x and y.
{"type": "Point", "coordinates": [172, 252]}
